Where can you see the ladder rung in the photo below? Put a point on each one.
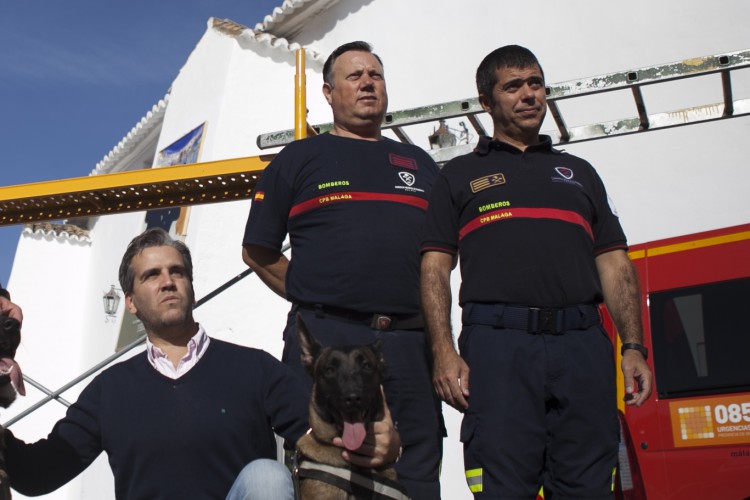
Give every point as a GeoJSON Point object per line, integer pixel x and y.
{"type": "Point", "coordinates": [559, 121]}
{"type": "Point", "coordinates": [478, 127]}
{"type": "Point", "coordinates": [402, 136]}
{"type": "Point", "coordinates": [640, 106]}
{"type": "Point", "coordinates": [726, 87]}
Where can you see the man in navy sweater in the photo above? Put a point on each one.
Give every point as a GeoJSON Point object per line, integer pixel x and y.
{"type": "Point", "coordinates": [184, 418]}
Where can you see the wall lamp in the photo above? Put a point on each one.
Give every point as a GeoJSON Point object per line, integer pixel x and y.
{"type": "Point", "coordinates": [111, 300]}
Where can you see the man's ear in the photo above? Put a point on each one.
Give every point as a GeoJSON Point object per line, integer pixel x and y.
{"type": "Point", "coordinates": [485, 102]}
{"type": "Point", "coordinates": [129, 304]}
{"type": "Point", "coordinates": [327, 89]}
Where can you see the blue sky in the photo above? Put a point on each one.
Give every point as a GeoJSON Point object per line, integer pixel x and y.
{"type": "Point", "coordinates": [76, 76]}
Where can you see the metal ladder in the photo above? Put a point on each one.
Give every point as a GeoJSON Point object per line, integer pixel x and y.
{"type": "Point", "coordinates": [632, 80]}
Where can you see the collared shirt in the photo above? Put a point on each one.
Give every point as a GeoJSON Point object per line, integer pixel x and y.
{"type": "Point", "coordinates": [526, 225]}
{"type": "Point", "coordinates": [374, 193]}
{"type": "Point", "coordinates": [196, 348]}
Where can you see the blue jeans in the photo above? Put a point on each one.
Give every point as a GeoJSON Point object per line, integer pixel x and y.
{"type": "Point", "coordinates": [263, 479]}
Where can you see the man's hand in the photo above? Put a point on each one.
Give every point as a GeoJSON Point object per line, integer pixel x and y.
{"type": "Point", "coordinates": [622, 295]}
{"type": "Point", "coordinates": [380, 448]}
{"type": "Point", "coordinates": [450, 373]}
{"type": "Point", "coordinates": [635, 369]}
{"type": "Point", "coordinates": [8, 308]}
{"type": "Point", "coordinates": [451, 379]}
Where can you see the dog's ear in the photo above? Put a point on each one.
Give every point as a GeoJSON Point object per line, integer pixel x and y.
{"type": "Point", "coordinates": [309, 347]}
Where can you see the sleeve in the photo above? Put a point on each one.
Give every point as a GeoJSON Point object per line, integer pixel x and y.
{"type": "Point", "coordinates": [608, 233]}
{"type": "Point", "coordinates": [441, 224]}
{"type": "Point", "coordinates": [41, 467]}
{"type": "Point", "coordinates": [271, 201]}
{"type": "Point", "coordinates": [286, 400]}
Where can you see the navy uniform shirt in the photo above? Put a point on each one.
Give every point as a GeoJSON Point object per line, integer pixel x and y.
{"type": "Point", "coordinates": [527, 225]}
{"type": "Point", "coordinates": [354, 211]}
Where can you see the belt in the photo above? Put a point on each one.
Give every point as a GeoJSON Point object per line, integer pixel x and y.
{"type": "Point", "coordinates": [532, 319]}
{"type": "Point", "coordinates": [376, 321]}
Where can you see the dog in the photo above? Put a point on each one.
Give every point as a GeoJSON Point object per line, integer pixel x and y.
{"type": "Point", "coordinates": [346, 397]}
{"type": "Point", "coordinates": [11, 383]}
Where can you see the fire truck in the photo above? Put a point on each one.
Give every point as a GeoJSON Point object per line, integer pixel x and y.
{"type": "Point", "coordinates": [691, 440]}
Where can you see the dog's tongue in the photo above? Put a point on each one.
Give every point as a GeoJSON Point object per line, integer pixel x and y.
{"type": "Point", "coordinates": [354, 435]}
{"type": "Point", "coordinates": [10, 367]}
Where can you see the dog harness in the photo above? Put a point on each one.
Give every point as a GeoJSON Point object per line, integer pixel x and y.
{"type": "Point", "coordinates": [364, 484]}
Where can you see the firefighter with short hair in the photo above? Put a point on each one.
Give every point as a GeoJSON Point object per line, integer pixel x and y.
{"type": "Point", "coordinates": [540, 249]}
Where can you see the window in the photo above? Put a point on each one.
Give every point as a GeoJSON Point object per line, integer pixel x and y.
{"type": "Point", "coordinates": [701, 339]}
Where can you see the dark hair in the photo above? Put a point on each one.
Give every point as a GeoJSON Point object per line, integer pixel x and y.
{"type": "Point", "coordinates": [358, 46]}
{"type": "Point", "coordinates": [509, 56]}
{"type": "Point", "coordinates": [154, 237]}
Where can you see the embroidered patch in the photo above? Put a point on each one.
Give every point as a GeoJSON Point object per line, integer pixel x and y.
{"type": "Point", "coordinates": [565, 176]}
{"type": "Point", "coordinates": [564, 172]}
{"type": "Point", "coordinates": [487, 182]}
{"type": "Point", "coordinates": [259, 196]}
{"type": "Point", "coordinates": [403, 161]}
{"type": "Point", "coordinates": [407, 178]}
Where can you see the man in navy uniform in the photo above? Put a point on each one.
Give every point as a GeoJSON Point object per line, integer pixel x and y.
{"type": "Point", "coordinates": [353, 203]}
{"type": "Point", "coordinates": [540, 248]}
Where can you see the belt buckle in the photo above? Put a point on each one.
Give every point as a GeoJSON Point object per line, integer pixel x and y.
{"type": "Point", "coordinates": [545, 320]}
{"type": "Point", "coordinates": [381, 322]}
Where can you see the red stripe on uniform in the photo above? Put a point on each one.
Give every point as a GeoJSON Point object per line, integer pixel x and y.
{"type": "Point", "coordinates": [526, 213]}
{"type": "Point", "coordinates": [323, 200]}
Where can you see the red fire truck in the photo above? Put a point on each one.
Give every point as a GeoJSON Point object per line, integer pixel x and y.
{"type": "Point", "coordinates": [691, 440]}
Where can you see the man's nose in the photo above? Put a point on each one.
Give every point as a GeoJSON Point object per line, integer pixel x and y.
{"type": "Point", "coordinates": [528, 94]}
{"type": "Point", "coordinates": [367, 82]}
{"type": "Point", "coordinates": [167, 282]}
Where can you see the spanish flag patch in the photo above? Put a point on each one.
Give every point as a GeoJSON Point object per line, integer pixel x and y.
{"type": "Point", "coordinates": [259, 196]}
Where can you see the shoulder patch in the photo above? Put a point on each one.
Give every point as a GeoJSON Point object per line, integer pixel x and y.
{"type": "Point", "coordinates": [259, 196]}
{"type": "Point", "coordinates": [486, 182]}
{"type": "Point", "coordinates": [402, 161]}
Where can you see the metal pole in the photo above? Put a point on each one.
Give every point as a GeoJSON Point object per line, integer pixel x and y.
{"type": "Point", "coordinates": [300, 99]}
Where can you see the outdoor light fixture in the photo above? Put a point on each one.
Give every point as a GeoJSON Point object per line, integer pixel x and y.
{"type": "Point", "coordinates": [111, 300]}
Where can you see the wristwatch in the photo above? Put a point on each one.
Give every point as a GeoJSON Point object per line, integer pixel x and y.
{"type": "Point", "coordinates": [635, 346]}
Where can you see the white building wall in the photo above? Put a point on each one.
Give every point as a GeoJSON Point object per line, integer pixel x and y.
{"type": "Point", "coordinates": [242, 87]}
{"type": "Point", "coordinates": [664, 183]}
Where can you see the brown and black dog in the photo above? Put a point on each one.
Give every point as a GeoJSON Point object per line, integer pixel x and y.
{"type": "Point", "coordinates": [346, 397]}
{"type": "Point", "coordinates": [11, 383]}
